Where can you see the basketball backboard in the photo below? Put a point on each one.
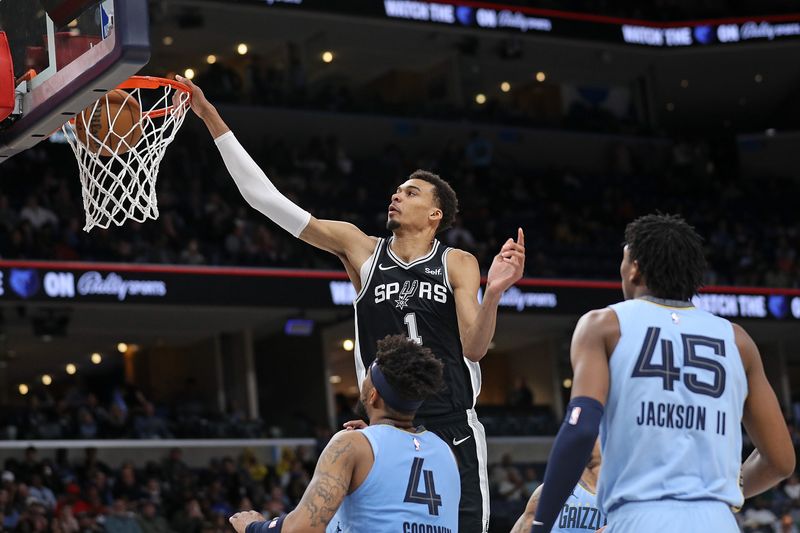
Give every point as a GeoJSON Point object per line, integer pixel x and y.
{"type": "Point", "coordinates": [66, 55]}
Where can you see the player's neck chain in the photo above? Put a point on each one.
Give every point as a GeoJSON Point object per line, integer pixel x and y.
{"type": "Point", "coordinates": [666, 302]}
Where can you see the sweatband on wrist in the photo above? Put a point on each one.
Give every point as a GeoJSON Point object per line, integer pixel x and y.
{"type": "Point", "coordinates": [389, 395]}
{"type": "Point", "coordinates": [568, 459]}
{"type": "Point", "coordinates": [257, 190]}
{"type": "Point", "coordinates": [270, 526]}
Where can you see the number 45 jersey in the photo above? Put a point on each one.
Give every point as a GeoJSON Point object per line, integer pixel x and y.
{"type": "Point", "coordinates": [413, 487]}
{"type": "Point", "coordinates": [415, 299]}
{"type": "Point", "coordinates": [672, 424]}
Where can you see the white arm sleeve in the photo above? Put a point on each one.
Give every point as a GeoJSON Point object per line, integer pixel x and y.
{"type": "Point", "coordinates": [256, 188]}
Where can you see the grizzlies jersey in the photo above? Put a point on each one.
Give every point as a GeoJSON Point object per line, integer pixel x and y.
{"type": "Point", "coordinates": [672, 424]}
{"type": "Point", "coordinates": [580, 513]}
{"type": "Point", "coordinates": [415, 299]}
{"type": "Point", "coordinates": [413, 487]}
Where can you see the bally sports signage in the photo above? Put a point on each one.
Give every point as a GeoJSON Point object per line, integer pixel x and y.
{"type": "Point", "coordinates": [121, 284]}
{"type": "Point", "coordinates": [516, 17]}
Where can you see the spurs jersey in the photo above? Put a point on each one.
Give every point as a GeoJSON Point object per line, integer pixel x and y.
{"type": "Point", "coordinates": [415, 299]}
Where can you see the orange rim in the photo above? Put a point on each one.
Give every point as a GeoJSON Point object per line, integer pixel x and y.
{"type": "Point", "coordinates": [152, 82]}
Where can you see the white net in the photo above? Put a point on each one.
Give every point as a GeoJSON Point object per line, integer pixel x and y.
{"type": "Point", "coordinates": [119, 143]}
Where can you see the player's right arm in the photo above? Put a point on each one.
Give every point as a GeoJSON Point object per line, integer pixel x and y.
{"type": "Point", "coordinates": [331, 483]}
{"type": "Point", "coordinates": [525, 521]}
{"type": "Point", "coordinates": [340, 238]}
{"type": "Point", "coordinates": [773, 459]}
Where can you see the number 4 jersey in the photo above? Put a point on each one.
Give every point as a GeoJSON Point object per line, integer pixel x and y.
{"type": "Point", "coordinates": [413, 487]}
{"type": "Point", "coordinates": [415, 299]}
{"type": "Point", "coordinates": [672, 424]}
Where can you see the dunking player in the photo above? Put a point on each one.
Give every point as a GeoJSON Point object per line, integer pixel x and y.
{"type": "Point", "coordinates": [409, 284]}
{"type": "Point", "coordinates": [581, 512]}
{"type": "Point", "coordinates": [676, 383]}
{"type": "Point", "coordinates": [388, 477]}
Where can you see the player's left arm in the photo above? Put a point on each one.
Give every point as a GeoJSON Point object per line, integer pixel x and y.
{"type": "Point", "coordinates": [324, 495]}
{"type": "Point", "coordinates": [477, 321]}
{"type": "Point", "coordinates": [525, 521]}
{"type": "Point", "coordinates": [595, 337]}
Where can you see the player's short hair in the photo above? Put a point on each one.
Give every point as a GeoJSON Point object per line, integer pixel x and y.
{"type": "Point", "coordinates": [411, 369]}
{"type": "Point", "coordinates": [443, 193]}
{"type": "Point", "coordinates": [670, 255]}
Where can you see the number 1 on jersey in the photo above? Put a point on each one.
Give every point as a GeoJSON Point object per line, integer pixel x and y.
{"type": "Point", "coordinates": [411, 323]}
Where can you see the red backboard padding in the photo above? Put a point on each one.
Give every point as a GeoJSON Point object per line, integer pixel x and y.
{"type": "Point", "coordinates": [6, 78]}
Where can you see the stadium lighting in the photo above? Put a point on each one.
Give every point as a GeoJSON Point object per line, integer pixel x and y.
{"type": "Point", "coordinates": [47, 379]}
{"type": "Point", "coordinates": [567, 383]}
{"type": "Point", "coordinates": [71, 369]}
{"type": "Point", "coordinates": [505, 86]}
{"type": "Point", "coordinates": [480, 98]}
{"type": "Point", "coordinates": [211, 59]}
{"type": "Point", "coordinates": [327, 56]}
{"type": "Point", "coordinates": [97, 358]}
{"type": "Point", "coordinates": [168, 40]}
{"type": "Point", "coordinates": [122, 347]}
{"type": "Point", "coordinates": [348, 345]}
{"type": "Point", "coordinates": [335, 380]}
{"type": "Point", "coordinates": [541, 76]}
{"type": "Point", "coordinates": [23, 389]}
{"type": "Point", "coordinates": [188, 74]}
{"type": "Point", "coordinates": [242, 49]}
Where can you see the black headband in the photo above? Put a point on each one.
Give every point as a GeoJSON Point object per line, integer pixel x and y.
{"type": "Point", "coordinates": [392, 399]}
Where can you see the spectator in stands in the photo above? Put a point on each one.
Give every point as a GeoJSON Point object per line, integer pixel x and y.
{"type": "Point", "coordinates": [531, 481]}
{"type": "Point", "coordinates": [507, 483]}
{"type": "Point", "coordinates": [760, 518]}
{"type": "Point", "coordinates": [42, 493]}
{"type": "Point", "coordinates": [190, 519]}
{"type": "Point", "coordinates": [121, 519]}
{"type": "Point", "coordinates": [521, 396]}
{"type": "Point", "coordinates": [126, 485]}
{"type": "Point", "coordinates": [150, 521]}
{"type": "Point", "coordinates": [9, 515]}
{"type": "Point", "coordinates": [792, 490]}
{"type": "Point", "coordinates": [149, 426]}
{"type": "Point", "coordinates": [65, 521]}
{"type": "Point", "coordinates": [36, 215]}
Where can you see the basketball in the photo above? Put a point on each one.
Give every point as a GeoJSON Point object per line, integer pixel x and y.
{"type": "Point", "coordinates": [118, 112]}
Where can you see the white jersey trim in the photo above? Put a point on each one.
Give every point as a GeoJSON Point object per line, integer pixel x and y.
{"type": "Point", "coordinates": [402, 264]}
{"type": "Point", "coordinates": [370, 263]}
{"type": "Point", "coordinates": [480, 448]}
{"type": "Point", "coordinates": [446, 277]}
{"type": "Point", "coordinates": [367, 268]}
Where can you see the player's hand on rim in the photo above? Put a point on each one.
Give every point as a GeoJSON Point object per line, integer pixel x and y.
{"type": "Point", "coordinates": [199, 103]}
{"type": "Point", "coordinates": [242, 519]}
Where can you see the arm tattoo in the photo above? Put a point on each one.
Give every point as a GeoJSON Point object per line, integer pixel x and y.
{"type": "Point", "coordinates": [329, 485]}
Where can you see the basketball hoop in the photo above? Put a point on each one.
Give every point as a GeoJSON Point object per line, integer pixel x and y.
{"type": "Point", "coordinates": [119, 143]}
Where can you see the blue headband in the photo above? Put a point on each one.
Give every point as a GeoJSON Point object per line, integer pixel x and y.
{"type": "Point", "coordinates": [392, 399]}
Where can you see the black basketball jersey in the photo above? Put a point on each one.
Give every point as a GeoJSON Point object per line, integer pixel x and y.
{"type": "Point", "coordinates": [415, 299]}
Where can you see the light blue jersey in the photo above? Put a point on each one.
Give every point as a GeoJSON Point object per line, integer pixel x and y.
{"type": "Point", "coordinates": [672, 424]}
{"type": "Point", "coordinates": [580, 513]}
{"type": "Point", "coordinates": [413, 487]}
